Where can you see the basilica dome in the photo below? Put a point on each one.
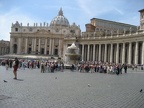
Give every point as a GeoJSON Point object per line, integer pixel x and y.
{"type": "Point", "coordinates": [60, 20]}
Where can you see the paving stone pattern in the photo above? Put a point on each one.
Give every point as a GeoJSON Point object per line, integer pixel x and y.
{"type": "Point", "coordinates": [70, 89]}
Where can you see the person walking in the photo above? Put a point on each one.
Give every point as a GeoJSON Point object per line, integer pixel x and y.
{"type": "Point", "coordinates": [15, 67]}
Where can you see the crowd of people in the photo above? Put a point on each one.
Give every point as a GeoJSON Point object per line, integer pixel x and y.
{"type": "Point", "coordinates": [43, 65]}
{"type": "Point", "coordinates": [52, 66]}
{"type": "Point", "coordinates": [91, 67]}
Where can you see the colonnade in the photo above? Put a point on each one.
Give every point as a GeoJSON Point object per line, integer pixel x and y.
{"type": "Point", "coordinates": [47, 47]}
{"type": "Point", "coordinates": [4, 50]}
{"type": "Point", "coordinates": [117, 52]}
{"type": "Point", "coordinates": [125, 52]}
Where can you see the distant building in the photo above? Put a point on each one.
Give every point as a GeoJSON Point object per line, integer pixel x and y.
{"type": "Point", "coordinates": [103, 40]}
{"type": "Point", "coordinates": [4, 47]}
{"type": "Point", "coordinates": [141, 19]}
{"type": "Point", "coordinates": [108, 26]}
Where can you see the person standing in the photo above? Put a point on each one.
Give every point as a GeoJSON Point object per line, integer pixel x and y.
{"type": "Point", "coordinates": [125, 68]}
{"type": "Point", "coordinates": [15, 67]}
{"type": "Point", "coordinates": [42, 67]}
{"type": "Point", "coordinates": [23, 65]}
{"type": "Point", "coordinates": [7, 64]}
{"type": "Point", "coordinates": [48, 67]}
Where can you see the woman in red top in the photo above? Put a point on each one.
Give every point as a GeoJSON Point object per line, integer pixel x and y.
{"type": "Point", "coordinates": [15, 67]}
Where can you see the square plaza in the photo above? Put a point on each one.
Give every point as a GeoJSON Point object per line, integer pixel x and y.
{"type": "Point", "coordinates": [67, 89]}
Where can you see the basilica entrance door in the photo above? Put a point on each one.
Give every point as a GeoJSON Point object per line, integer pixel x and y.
{"type": "Point", "coordinates": [15, 48]}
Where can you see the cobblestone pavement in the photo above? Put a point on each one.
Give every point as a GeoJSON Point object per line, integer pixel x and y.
{"type": "Point", "coordinates": [70, 89]}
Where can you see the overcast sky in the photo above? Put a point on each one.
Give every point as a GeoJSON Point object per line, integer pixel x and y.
{"type": "Point", "coordinates": [78, 11]}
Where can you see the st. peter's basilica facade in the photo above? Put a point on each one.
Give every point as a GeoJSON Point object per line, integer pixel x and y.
{"type": "Point", "coordinates": [103, 40]}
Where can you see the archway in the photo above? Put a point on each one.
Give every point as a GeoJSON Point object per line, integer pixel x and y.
{"type": "Point", "coordinates": [15, 48]}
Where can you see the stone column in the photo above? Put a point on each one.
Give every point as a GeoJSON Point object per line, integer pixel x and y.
{"type": "Point", "coordinates": [64, 51]}
{"type": "Point", "coordinates": [34, 45]}
{"type": "Point", "coordinates": [99, 52]}
{"type": "Point", "coordinates": [19, 46]}
{"type": "Point", "coordinates": [111, 53]}
{"type": "Point", "coordinates": [50, 46]}
{"type": "Point", "coordinates": [59, 48]}
{"type": "Point", "coordinates": [83, 52]}
{"type": "Point", "coordinates": [117, 53]}
{"type": "Point", "coordinates": [93, 52]}
{"type": "Point", "coordinates": [102, 53]}
{"type": "Point", "coordinates": [11, 45]}
{"type": "Point", "coordinates": [2, 50]}
{"type": "Point", "coordinates": [45, 50]}
{"type": "Point", "coordinates": [123, 54]}
{"type": "Point", "coordinates": [142, 53]}
{"type": "Point", "coordinates": [136, 53]}
{"type": "Point", "coordinates": [26, 42]}
{"type": "Point", "coordinates": [39, 46]}
{"type": "Point", "coordinates": [105, 56]}
{"type": "Point", "coordinates": [88, 52]}
{"type": "Point", "coordinates": [130, 53]}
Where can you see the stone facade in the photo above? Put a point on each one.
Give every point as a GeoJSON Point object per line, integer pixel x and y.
{"type": "Point", "coordinates": [43, 39]}
{"type": "Point", "coordinates": [110, 42]}
{"type": "Point", "coordinates": [114, 43]}
{"type": "Point", "coordinates": [4, 47]}
{"type": "Point", "coordinates": [106, 26]}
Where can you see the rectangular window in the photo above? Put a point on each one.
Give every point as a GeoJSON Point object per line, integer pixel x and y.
{"type": "Point", "coordinates": [30, 29]}
{"type": "Point", "coordinates": [56, 52]}
{"type": "Point", "coordinates": [16, 29]}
